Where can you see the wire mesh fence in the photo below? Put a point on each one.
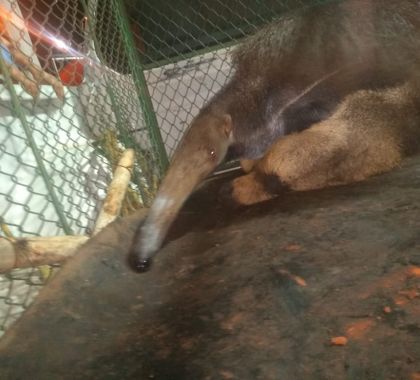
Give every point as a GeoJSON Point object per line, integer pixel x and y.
{"type": "Point", "coordinates": [84, 80]}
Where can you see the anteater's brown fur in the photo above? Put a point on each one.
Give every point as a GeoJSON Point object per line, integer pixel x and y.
{"type": "Point", "coordinates": [369, 133]}
{"type": "Point", "coordinates": [321, 97]}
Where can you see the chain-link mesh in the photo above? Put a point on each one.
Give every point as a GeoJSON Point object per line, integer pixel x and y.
{"type": "Point", "coordinates": [84, 80]}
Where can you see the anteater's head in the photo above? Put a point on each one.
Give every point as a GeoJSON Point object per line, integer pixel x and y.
{"type": "Point", "coordinates": [203, 147]}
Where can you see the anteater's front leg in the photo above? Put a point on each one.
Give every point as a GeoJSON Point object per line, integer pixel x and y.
{"type": "Point", "coordinates": [300, 161]}
{"type": "Point", "coordinates": [358, 141]}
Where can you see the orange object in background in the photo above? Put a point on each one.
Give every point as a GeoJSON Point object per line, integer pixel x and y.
{"type": "Point", "coordinates": [339, 341]}
{"type": "Point", "coordinates": [72, 73]}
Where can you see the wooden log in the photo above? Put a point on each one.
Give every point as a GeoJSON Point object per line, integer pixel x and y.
{"type": "Point", "coordinates": [36, 251]}
{"type": "Point", "coordinates": [116, 191]}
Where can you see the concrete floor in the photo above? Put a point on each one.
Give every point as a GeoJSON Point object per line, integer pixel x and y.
{"type": "Point", "coordinates": [254, 293]}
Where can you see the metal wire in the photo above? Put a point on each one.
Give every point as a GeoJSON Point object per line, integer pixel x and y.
{"type": "Point", "coordinates": [135, 74]}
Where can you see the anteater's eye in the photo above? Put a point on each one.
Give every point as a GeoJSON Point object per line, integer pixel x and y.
{"type": "Point", "coordinates": [212, 153]}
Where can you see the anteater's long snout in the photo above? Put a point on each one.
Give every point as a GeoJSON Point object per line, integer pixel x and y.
{"type": "Point", "coordinates": [203, 148]}
{"type": "Point", "coordinates": [175, 189]}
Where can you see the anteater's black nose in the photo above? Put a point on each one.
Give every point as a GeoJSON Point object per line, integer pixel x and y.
{"type": "Point", "coordinates": [139, 265]}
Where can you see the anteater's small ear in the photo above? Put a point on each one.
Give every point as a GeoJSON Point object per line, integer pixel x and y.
{"type": "Point", "coordinates": [227, 124]}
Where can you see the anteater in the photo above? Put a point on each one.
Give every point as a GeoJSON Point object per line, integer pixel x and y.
{"type": "Point", "coordinates": [325, 96]}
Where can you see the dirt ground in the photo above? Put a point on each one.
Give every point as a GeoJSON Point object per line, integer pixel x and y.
{"type": "Point", "coordinates": [254, 293]}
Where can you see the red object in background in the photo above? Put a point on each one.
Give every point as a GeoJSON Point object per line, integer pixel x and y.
{"type": "Point", "coordinates": [72, 73]}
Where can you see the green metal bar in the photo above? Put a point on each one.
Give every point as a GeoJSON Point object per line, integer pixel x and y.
{"type": "Point", "coordinates": [17, 109]}
{"type": "Point", "coordinates": [141, 84]}
{"type": "Point", "coordinates": [108, 86]}
{"type": "Point", "coordinates": [128, 143]}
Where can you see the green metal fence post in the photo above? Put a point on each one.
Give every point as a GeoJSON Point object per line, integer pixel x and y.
{"type": "Point", "coordinates": [141, 84]}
